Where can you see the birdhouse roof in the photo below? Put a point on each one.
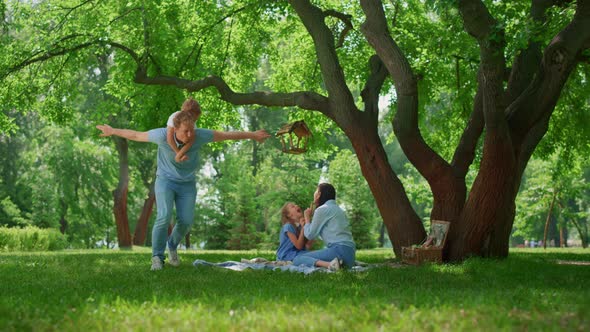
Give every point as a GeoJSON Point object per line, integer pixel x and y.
{"type": "Point", "coordinates": [299, 128]}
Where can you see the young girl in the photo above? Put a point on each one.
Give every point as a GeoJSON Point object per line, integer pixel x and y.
{"type": "Point", "coordinates": [292, 242]}
{"type": "Point", "coordinates": [194, 109]}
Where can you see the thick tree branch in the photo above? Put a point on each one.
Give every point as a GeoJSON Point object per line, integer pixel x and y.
{"type": "Point", "coordinates": [480, 24]}
{"type": "Point", "coordinates": [477, 20]}
{"type": "Point", "coordinates": [448, 190]}
{"type": "Point", "coordinates": [372, 89]}
{"type": "Point", "coordinates": [559, 59]}
{"type": "Point", "coordinates": [332, 73]}
{"type": "Point", "coordinates": [465, 151]}
{"type": "Point", "coordinates": [303, 99]}
{"type": "Point", "coordinates": [346, 19]}
{"type": "Point", "coordinates": [405, 123]}
{"type": "Point", "coordinates": [526, 63]}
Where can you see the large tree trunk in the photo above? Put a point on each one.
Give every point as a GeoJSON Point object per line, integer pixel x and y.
{"type": "Point", "coordinates": [489, 205]}
{"type": "Point", "coordinates": [120, 195]}
{"type": "Point", "coordinates": [403, 224]}
{"type": "Point", "coordinates": [142, 223]}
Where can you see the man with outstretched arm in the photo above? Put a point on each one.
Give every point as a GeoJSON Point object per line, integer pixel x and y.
{"type": "Point", "coordinates": [176, 181]}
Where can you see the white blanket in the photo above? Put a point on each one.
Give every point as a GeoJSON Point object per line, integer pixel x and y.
{"type": "Point", "coordinates": [264, 264]}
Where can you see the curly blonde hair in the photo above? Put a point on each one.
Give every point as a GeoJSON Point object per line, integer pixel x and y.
{"type": "Point", "coordinates": [191, 106]}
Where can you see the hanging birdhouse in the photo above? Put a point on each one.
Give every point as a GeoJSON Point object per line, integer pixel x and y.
{"type": "Point", "coordinates": [294, 137]}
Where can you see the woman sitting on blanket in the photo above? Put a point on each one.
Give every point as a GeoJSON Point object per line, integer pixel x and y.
{"type": "Point", "coordinates": [291, 240]}
{"type": "Point", "coordinates": [331, 224]}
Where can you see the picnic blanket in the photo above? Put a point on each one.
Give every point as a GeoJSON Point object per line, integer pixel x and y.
{"type": "Point", "coordinates": [264, 264]}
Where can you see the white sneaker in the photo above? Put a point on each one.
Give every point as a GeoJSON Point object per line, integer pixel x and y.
{"type": "Point", "coordinates": [334, 265]}
{"type": "Point", "coordinates": [157, 263]}
{"type": "Point", "coordinates": [173, 257]}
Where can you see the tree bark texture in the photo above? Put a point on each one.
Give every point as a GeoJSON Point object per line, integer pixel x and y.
{"type": "Point", "coordinates": [120, 194]}
{"type": "Point", "coordinates": [141, 228]}
{"type": "Point", "coordinates": [402, 223]}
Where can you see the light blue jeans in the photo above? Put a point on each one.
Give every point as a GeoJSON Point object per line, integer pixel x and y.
{"type": "Point", "coordinates": [168, 193]}
{"type": "Point", "coordinates": [345, 253]}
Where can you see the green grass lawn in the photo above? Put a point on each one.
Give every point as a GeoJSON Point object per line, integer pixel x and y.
{"type": "Point", "coordinates": [532, 290]}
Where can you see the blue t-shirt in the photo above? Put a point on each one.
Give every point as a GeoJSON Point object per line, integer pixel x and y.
{"type": "Point", "coordinates": [167, 167]}
{"type": "Point", "coordinates": [287, 250]}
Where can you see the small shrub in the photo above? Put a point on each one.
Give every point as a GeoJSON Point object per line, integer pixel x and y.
{"type": "Point", "coordinates": [31, 239]}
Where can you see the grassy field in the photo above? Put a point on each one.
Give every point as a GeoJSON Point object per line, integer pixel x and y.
{"type": "Point", "coordinates": [532, 290]}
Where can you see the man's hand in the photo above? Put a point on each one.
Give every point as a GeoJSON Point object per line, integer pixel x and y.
{"type": "Point", "coordinates": [261, 135]}
{"type": "Point", "coordinates": [106, 130]}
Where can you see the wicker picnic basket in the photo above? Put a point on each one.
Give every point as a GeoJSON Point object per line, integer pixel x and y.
{"type": "Point", "coordinates": [428, 253]}
{"type": "Point", "coordinates": [417, 256]}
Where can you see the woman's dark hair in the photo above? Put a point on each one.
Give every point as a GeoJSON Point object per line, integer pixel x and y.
{"type": "Point", "coordinates": [327, 192]}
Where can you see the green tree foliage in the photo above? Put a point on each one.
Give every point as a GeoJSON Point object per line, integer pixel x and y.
{"type": "Point", "coordinates": [12, 148]}
{"type": "Point", "coordinates": [236, 209]}
{"type": "Point", "coordinates": [11, 215]}
{"type": "Point", "coordinates": [533, 202]}
{"type": "Point", "coordinates": [218, 40]}
{"type": "Point", "coordinates": [315, 55]}
{"type": "Point", "coordinates": [238, 188]}
{"type": "Point", "coordinates": [70, 180]}
{"type": "Point", "coordinates": [285, 178]}
{"type": "Point", "coordinates": [554, 189]}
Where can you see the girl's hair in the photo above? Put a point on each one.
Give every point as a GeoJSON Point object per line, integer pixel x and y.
{"type": "Point", "coordinates": [192, 106]}
{"type": "Point", "coordinates": [285, 213]}
{"type": "Point", "coordinates": [327, 192]}
{"type": "Point", "coordinates": [183, 117]}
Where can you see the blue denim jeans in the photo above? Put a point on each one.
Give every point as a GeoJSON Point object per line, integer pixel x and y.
{"type": "Point", "coordinates": [346, 253]}
{"type": "Point", "coordinates": [169, 193]}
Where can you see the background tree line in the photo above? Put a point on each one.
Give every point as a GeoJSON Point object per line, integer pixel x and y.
{"type": "Point", "coordinates": [61, 176]}
{"type": "Point", "coordinates": [476, 89]}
